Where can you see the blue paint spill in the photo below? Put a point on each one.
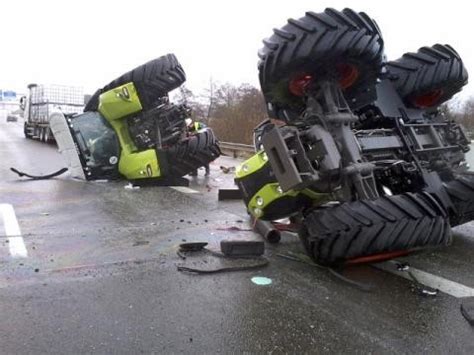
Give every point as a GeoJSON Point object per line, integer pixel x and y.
{"type": "Point", "coordinates": [261, 281]}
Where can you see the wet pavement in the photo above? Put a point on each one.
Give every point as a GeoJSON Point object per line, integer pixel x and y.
{"type": "Point", "coordinates": [100, 276]}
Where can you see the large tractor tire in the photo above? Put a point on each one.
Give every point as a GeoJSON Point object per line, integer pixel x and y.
{"type": "Point", "coordinates": [333, 236]}
{"type": "Point", "coordinates": [428, 77]}
{"type": "Point", "coordinates": [461, 192]}
{"type": "Point", "coordinates": [152, 81]}
{"type": "Point", "coordinates": [192, 153]}
{"type": "Point", "coordinates": [344, 44]}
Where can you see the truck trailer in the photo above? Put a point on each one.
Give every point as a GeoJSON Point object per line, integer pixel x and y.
{"type": "Point", "coordinates": [41, 100]}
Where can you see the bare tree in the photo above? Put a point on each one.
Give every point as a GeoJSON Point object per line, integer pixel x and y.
{"type": "Point", "coordinates": [237, 110]}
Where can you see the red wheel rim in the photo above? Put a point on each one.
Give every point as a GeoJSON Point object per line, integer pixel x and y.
{"type": "Point", "coordinates": [429, 99]}
{"type": "Point", "coordinates": [348, 74]}
{"type": "Point", "coordinates": [299, 84]}
{"type": "Point", "coordinates": [375, 258]}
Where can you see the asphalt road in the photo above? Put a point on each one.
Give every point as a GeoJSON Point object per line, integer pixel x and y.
{"type": "Point", "coordinates": [100, 276]}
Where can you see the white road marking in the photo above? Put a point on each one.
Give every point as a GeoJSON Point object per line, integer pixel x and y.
{"type": "Point", "coordinates": [184, 189]}
{"type": "Point", "coordinates": [436, 282]}
{"type": "Point", "coordinates": [16, 243]}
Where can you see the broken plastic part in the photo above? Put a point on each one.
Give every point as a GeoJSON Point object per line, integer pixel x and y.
{"type": "Point", "coordinates": [242, 248]}
{"type": "Point", "coordinates": [196, 246]}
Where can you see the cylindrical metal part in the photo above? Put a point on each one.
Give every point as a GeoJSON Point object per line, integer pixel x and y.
{"type": "Point", "coordinates": [267, 230]}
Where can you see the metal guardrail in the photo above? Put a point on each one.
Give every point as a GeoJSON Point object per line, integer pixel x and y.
{"type": "Point", "coordinates": [237, 150]}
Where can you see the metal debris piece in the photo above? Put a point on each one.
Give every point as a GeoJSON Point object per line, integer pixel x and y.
{"type": "Point", "coordinates": [267, 230]}
{"type": "Point", "coordinates": [403, 266]}
{"type": "Point", "coordinates": [419, 287]}
{"type": "Point", "coordinates": [227, 170]}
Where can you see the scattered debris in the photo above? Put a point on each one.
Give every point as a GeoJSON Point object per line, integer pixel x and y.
{"type": "Point", "coordinates": [234, 229]}
{"type": "Point", "coordinates": [242, 248]}
{"type": "Point", "coordinates": [39, 177]}
{"type": "Point", "coordinates": [419, 287]}
{"type": "Point", "coordinates": [403, 267]}
{"type": "Point", "coordinates": [229, 194]}
{"type": "Point", "coordinates": [260, 261]}
{"type": "Point", "coordinates": [227, 170]}
{"type": "Point", "coordinates": [467, 309]}
{"type": "Point", "coordinates": [261, 281]}
{"type": "Point", "coordinates": [430, 293]}
{"type": "Point", "coordinates": [140, 242]}
{"type": "Point", "coordinates": [130, 186]}
{"type": "Point", "coordinates": [193, 246]}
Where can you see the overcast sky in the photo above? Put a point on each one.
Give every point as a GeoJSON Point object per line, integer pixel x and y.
{"type": "Point", "coordinates": [89, 43]}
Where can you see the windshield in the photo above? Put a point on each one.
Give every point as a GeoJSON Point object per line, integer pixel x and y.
{"type": "Point", "coordinates": [96, 140]}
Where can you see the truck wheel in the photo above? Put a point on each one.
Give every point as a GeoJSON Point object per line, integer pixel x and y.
{"type": "Point", "coordinates": [192, 153]}
{"type": "Point", "coordinates": [428, 77]}
{"type": "Point", "coordinates": [404, 222]}
{"type": "Point", "coordinates": [41, 134]}
{"type": "Point", "coordinates": [347, 44]}
{"type": "Point", "coordinates": [461, 192]}
{"type": "Point", "coordinates": [152, 81]}
{"type": "Point", "coordinates": [26, 131]}
{"type": "Point", "coordinates": [47, 135]}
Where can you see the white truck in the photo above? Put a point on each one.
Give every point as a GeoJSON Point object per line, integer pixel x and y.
{"type": "Point", "coordinates": [41, 101]}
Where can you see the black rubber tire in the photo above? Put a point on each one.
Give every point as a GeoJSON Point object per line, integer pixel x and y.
{"type": "Point", "coordinates": [47, 135]}
{"type": "Point", "coordinates": [152, 81]}
{"type": "Point", "coordinates": [429, 69]}
{"type": "Point", "coordinates": [461, 192]}
{"type": "Point", "coordinates": [409, 221]}
{"type": "Point", "coordinates": [315, 44]}
{"type": "Point", "coordinates": [192, 153]}
{"type": "Point", "coordinates": [41, 134]}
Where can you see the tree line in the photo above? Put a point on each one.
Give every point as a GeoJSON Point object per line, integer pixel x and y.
{"type": "Point", "coordinates": [461, 112]}
{"type": "Point", "coordinates": [233, 111]}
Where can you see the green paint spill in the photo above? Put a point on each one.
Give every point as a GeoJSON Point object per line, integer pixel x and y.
{"type": "Point", "coordinates": [261, 281]}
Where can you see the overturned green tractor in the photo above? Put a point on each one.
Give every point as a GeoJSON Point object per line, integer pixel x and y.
{"type": "Point", "coordinates": [130, 130]}
{"type": "Point", "coordinates": [357, 150]}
